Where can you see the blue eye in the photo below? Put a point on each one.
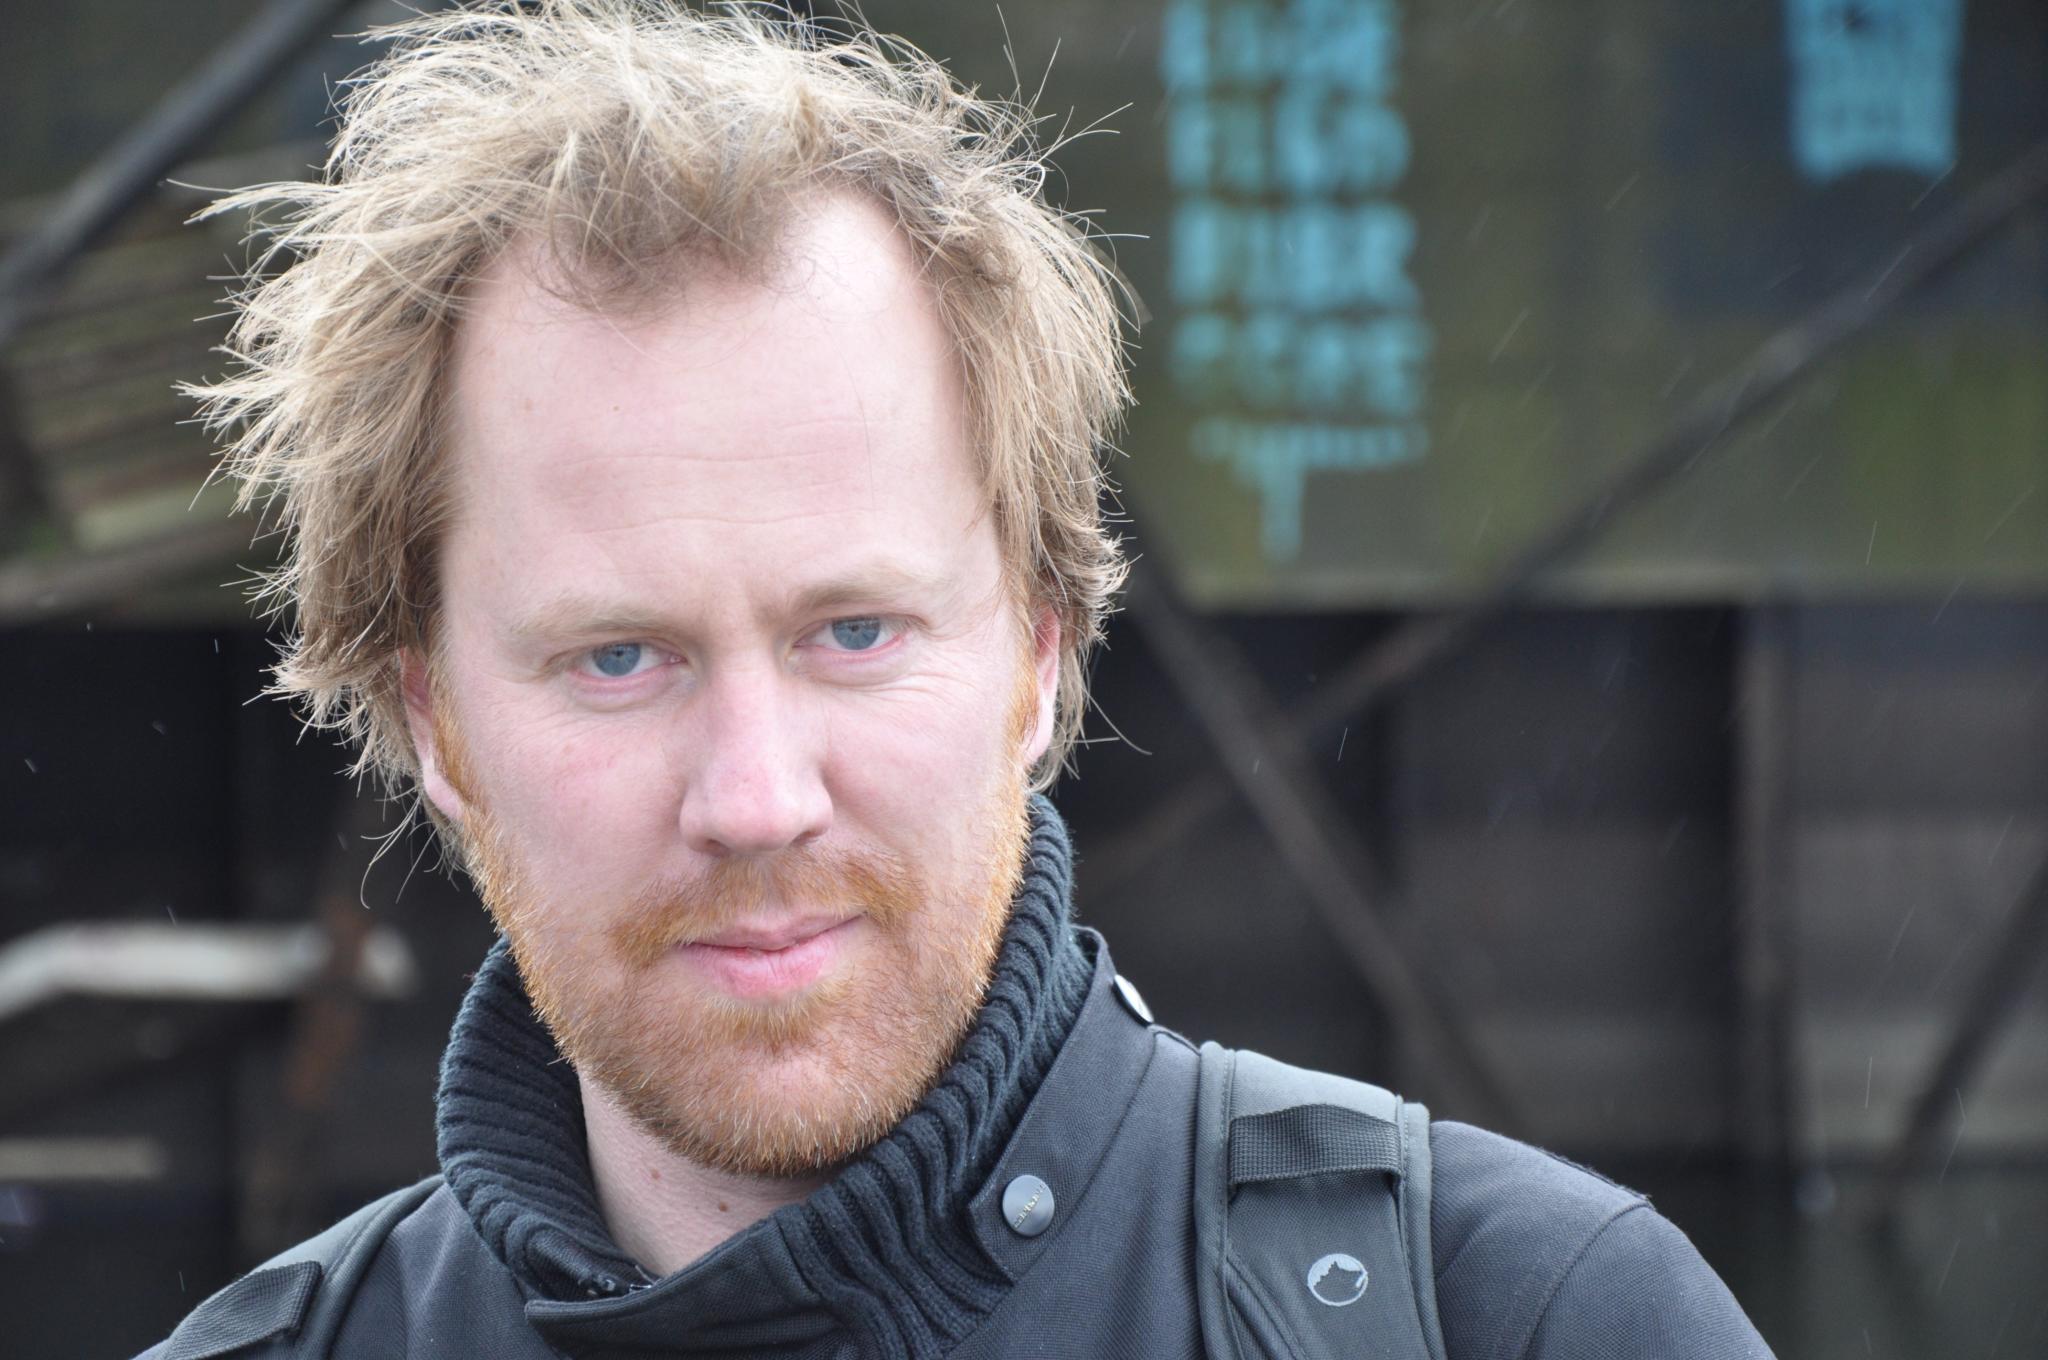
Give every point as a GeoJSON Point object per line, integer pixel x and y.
{"type": "Point", "coordinates": [617, 659]}
{"type": "Point", "coordinates": [856, 635]}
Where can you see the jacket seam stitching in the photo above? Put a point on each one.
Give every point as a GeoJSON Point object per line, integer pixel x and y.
{"type": "Point", "coordinates": [1255, 1293]}
{"type": "Point", "coordinates": [1556, 1285]}
{"type": "Point", "coordinates": [342, 1262]}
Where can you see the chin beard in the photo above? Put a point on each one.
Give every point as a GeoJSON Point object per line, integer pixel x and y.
{"type": "Point", "coordinates": [774, 1090]}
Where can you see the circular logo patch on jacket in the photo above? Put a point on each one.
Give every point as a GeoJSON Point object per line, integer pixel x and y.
{"type": "Point", "coordinates": [1337, 1279]}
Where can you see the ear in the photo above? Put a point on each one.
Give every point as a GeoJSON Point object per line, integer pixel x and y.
{"type": "Point", "coordinates": [1045, 665]}
{"type": "Point", "coordinates": [416, 684]}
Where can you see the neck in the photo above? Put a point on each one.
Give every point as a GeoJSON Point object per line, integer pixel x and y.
{"type": "Point", "coordinates": [664, 1210]}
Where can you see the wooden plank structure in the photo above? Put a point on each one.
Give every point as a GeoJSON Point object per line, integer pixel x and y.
{"type": "Point", "coordinates": [108, 480]}
{"type": "Point", "coordinates": [100, 467]}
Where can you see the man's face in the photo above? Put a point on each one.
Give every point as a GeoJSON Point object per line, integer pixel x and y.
{"type": "Point", "coordinates": [733, 700]}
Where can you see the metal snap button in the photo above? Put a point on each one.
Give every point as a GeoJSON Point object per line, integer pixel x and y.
{"type": "Point", "coordinates": [1133, 1003]}
{"type": "Point", "coordinates": [1027, 1206]}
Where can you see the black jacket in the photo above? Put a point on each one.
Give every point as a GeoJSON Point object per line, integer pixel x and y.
{"type": "Point", "coordinates": [1534, 1258]}
{"type": "Point", "coordinates": [910, 1251]}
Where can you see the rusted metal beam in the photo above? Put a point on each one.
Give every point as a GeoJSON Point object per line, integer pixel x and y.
{"type": "Point", "coordinates": [165, 961]}
{"type": "Point", "coordinates": [2010, 961]}
{"type": "Point", "coordinates": [178, 125]}
{"type": "Point", "coordinates": [286, 1187]}
{"type": "Point", "coordinates": [1776, 366]}
{"type": "Point", "coordinates": [82, 1158]}
{"type": "Point", "coordinates": [23, 499]}
{"type": "Point", "coordinates": [35, 589]}
{"type": "Point", "coordinates": [1765, 1068]}
{"type": "Point", "coordinates": [1263, 755]}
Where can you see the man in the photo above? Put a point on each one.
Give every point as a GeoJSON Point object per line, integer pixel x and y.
{"type": "Point", "coordinates": [688, 439]}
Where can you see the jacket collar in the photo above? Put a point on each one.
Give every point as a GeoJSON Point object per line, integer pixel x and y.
{"type": "Point", "coordinates": [759, 1292]}
{"type": "Point", "coordinates": [907, 1247]}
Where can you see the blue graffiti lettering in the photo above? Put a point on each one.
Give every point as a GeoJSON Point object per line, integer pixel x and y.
{"type": "Point", "coordinates": [1336, 144]}
{"type": "Point", "coordinates": [1274, 459]}
{"type": "Point", "coordinates": [1313, 257]}
{"type": "Point", "coordinates": [1305, 142]}
{"type": "Point", "coordinates": [1276, 362]}
{"type": "Point", "coordinates": [1873, 84]}
{"type": "Point", "coordinates": [1184, 49]}
{"type": "Point", "coordinates": [1255, 45]}
{"type": "Point", "coordinates": [1289, 263]}
{"type": "Point", "coordinates": [1352, 45]}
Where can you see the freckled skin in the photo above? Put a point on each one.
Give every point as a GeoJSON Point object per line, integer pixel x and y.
{"type": "Point", "coordinates": [697, 468]}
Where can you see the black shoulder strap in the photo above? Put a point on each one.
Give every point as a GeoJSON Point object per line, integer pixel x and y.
{"type": "Point", "coordinates": [293, 1304]}
{"type": "Point", "coordinates": [1311, 1215]}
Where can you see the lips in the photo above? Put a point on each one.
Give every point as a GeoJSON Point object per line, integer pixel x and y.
{"type": "Point", "coordinates": [773, 936]}
{"type": "Point", "coordinates": [766, 961]}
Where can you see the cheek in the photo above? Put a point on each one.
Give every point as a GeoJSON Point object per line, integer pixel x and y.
{"type": "Point", "coordinates": [912, 774]}
{"type": "Point", "coordinates": [566, 790]}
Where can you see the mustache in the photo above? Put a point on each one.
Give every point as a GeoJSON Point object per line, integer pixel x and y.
{"type": "Point", "coordinates": [679, 911]}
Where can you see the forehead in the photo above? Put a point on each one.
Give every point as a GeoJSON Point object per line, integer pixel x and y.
{"type": "Point", "coordinates": [794, 404]}
{"type": "Point", "coordinates": [837, 299]}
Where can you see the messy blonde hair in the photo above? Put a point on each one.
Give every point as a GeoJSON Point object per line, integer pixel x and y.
{"type": "Point", "coordinates": [619, 135]}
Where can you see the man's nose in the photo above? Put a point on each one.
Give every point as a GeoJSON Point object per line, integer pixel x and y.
{"type": "Point", "coordinates": [754, 784]}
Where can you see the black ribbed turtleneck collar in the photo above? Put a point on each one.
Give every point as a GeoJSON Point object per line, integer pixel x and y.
{"type": "Point", "coordinates": [883, 1255]}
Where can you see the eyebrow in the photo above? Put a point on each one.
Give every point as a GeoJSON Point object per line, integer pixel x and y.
{"type": "Point", "coordinates": [580, 614]}
{"type": "Point", "coordinates": [871, 585]}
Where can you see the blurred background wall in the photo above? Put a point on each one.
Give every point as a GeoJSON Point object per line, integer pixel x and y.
{"type": "Point", "coordinates": [1563, 682]}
